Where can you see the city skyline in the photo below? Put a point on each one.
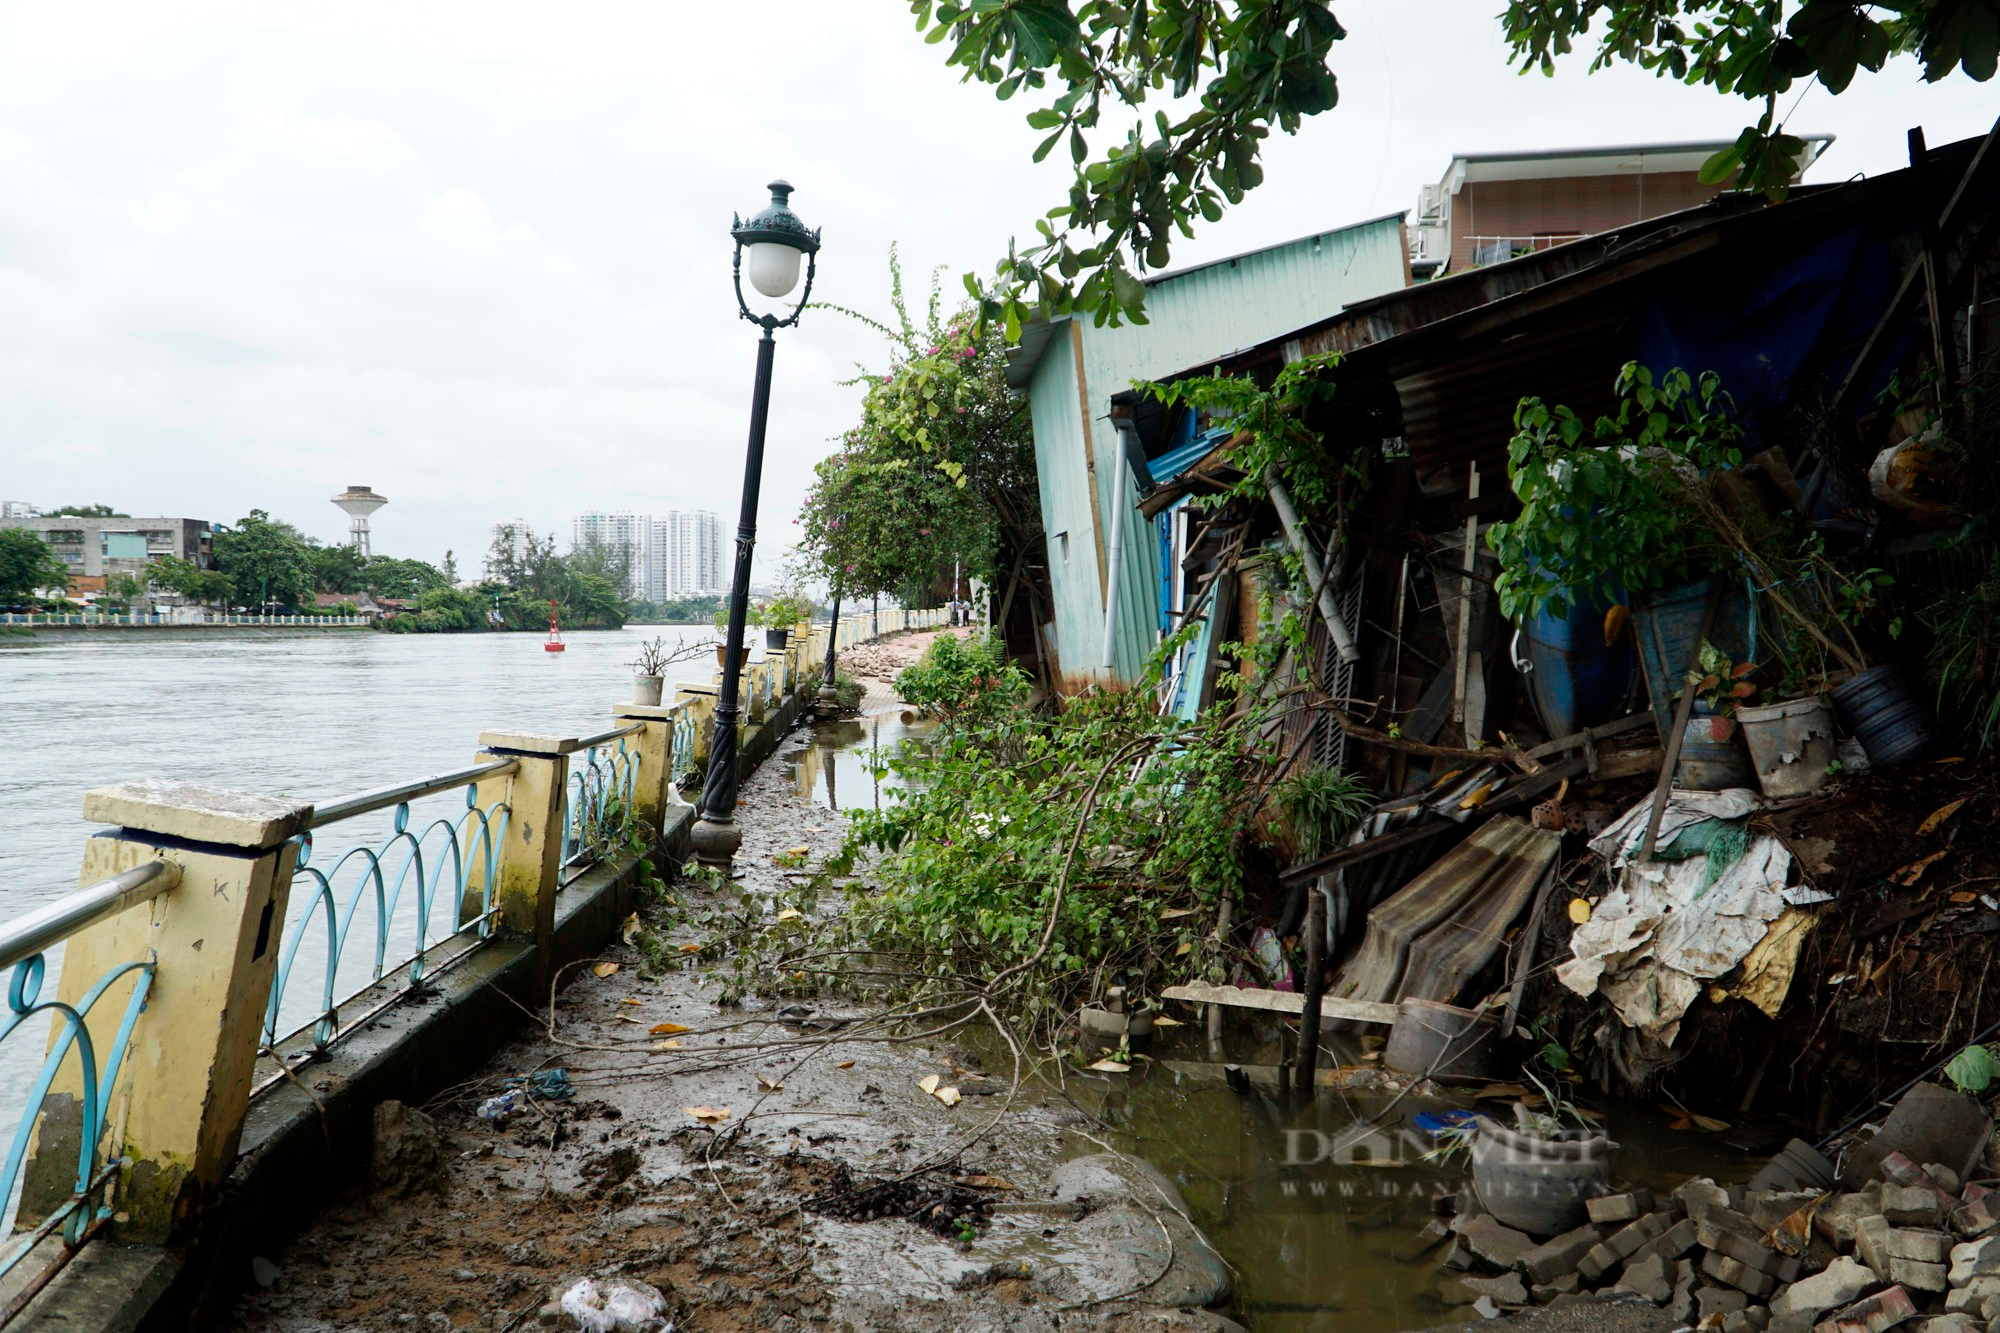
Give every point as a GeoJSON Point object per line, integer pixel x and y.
{"type": "Point", "coordinates": [675, 555]}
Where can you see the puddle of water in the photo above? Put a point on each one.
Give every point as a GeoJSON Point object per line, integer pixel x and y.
{"type": "Point", "coordinates": [833, 768]}
{"type": "Point", "coordinates": [1318, 1216]}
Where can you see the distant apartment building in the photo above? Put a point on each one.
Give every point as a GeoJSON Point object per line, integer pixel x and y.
{"type": "Point", "coordinates": [679, 555]}
{"type": "Point", "coordinates": [1490, 207]}
{"type": "Point", "coordinates": [18, 509]}
{"type": "Point", "coordinates": [631, 533]}
{"type": "Point", "coordinates": [95, 547]}
{"type": "Point", "coordinates": [688, 543]}
{"type": "Point", "coordinates": [510, 540]}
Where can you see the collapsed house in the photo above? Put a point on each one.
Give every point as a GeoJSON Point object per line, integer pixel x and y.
{"type": "Point", "coordinates": [1565, 831]}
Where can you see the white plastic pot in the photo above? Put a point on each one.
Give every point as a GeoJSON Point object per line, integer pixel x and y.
{"type": "Point", "coordinates": [1790, 744]}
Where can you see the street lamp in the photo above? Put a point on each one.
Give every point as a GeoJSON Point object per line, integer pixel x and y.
{"type": "Point", "coordinates": [776, 241]}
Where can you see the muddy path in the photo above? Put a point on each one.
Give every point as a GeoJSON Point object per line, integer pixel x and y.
{"type": "Point", "coordinates": [764, 1165]}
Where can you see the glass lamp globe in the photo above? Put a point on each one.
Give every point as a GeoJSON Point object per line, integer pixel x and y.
{"type": "Point", "coordinates": [774, 268]}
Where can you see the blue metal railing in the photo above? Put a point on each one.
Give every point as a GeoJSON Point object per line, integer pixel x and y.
{"type": "Point", "coordinates": [684, 742]}
{"type": "Point", "coordinates": [444, 859]}
{"type": "Point", "coordinates": [598, 797]}
{"type": "Point", "coordinates": [24, 944]}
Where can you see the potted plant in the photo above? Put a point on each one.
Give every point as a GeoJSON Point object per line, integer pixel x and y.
{"type": "Point", "coordinates": [1709, 757]}
{"type": "Point", "coordinates": [650, 666]}
{"type": "Point", "coordinates": [778, 614]}
{"type": "Point", "coordinates": [722, 632]}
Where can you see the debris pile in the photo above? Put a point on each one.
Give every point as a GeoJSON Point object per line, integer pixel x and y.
{"type": "Point", "coordinates": [1896, 1239]}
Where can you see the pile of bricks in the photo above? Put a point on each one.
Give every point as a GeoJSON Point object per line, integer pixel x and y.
{"type": "Point", "coordinates": [1913, 1247]}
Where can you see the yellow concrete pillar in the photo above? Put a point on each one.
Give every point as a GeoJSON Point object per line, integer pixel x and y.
{"type": "Point", "coordinates": [652, 785]}
{"type": "Point", "coordinates": [699, 700]}
{"type": "Point", "coordinates": [531, 852]}
{"type": "Point", "coordinates": [177, 1112]}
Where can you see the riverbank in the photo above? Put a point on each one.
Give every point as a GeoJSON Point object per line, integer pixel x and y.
{"type": "Point", "coordinates": [764, 1165]}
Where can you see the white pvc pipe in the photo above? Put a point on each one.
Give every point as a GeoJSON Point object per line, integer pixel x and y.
{"type": "Point", "coordinates": [1117, 568]}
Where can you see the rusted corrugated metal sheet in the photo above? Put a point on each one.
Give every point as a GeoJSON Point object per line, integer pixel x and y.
{"type": "Point", "coordinates": [1429, 938]}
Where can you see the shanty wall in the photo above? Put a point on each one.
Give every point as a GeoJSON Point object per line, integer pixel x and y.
{"type": "Point", "coordinates": [1205, 313]}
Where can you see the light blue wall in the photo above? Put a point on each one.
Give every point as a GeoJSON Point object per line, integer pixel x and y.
{"type": "Point", "coordinates": [1205, 314]}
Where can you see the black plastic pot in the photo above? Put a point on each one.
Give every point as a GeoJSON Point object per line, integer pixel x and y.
{"type": "Point", "coordinates": [1887, 717]}
{"type": "Point", "coordinates": [776, 639]}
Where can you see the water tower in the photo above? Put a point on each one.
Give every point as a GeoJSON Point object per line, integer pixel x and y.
{"type": "Point", "coordinates": [360, 502]}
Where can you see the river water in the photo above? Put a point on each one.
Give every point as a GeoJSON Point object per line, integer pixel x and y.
{"type": "Point", "coordinates": [311, 713]}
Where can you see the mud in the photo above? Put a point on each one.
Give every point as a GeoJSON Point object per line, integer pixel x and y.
{"type": "Point", "coordinates": [834, 1193]}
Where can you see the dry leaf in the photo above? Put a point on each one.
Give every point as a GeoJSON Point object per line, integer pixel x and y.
{"type": "Point", "coordinates": [768, 1085]}
{"type": "Point", "coordinates": [666, 1045]}
{"type": "Point", "coordinates": [1111, 1067]}
{"type": "Point", "coordinates": [949, 1096]}
{"type": "Point", "coordinates": [1708, 1122]}
{"type": "Point", "coordinates": [690, 948]}
{"type": "Point", "coordinates": [845, 1064]}
{"type": "Point", "coordinates": [605, 969]}
{"type": "Point", "coordinates": [630, 928]}
{"type": "Point", "coordinates": [798, 851]}
{"type": "Point", "coordinates": [628, 1000]}
{"type": "Point", "coordinates": [667, 1029]}
{"type": "Point", "coordinates": [1477, 798]}
{"type": "Point", "coordinates": [627, 1018]}
{"type": "Point", "coordinates": [1185, 947]}
{"type": "Point", "coordinates": [1174, 913]}
{"type": "Point", "coordinates": [928, 1084]}
{"type": "Point", "coordinates": [1963, 896]}
{"type": "Point", "coordinates": [1938, 816]}
{"type": "Point", "coordinates": [1579, 911]}
{"type": "Point", "coordinates": [986, 1183]}
{"type": "Point", "coordinates": [1914, 871]}
{"type": "Point", "coordinates": [708, 1115]}
{"type": "Point", "coordinates": [1162, 1021]}
{"type": "Point", "coordinates": [790, 914]}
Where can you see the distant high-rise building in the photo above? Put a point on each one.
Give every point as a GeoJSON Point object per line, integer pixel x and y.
{"type": "Point", "coordinates": [631, 533]}
{"type": "Point", "coordinates": [18, 509]}
{"type": "Point", "coordinates": [690, 543]}
{"type": "Point", "coordinates": [510, 544]}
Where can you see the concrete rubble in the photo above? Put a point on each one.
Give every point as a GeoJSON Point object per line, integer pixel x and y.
{"type": "Point", "coordinates": [1916, 1245]}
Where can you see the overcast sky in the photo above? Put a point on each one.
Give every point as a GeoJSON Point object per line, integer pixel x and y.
{"type": "Point", "coordinates": [475, 255]}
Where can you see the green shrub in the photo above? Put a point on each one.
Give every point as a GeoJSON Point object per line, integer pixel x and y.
{"type": "Point", "coordinates": [968, 679]}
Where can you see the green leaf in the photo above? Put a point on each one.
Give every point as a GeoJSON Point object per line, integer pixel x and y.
{"type": "Point", "coordinates": [1972, 1069]}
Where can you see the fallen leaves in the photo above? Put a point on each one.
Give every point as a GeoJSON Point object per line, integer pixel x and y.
{"type": "Point", "coordinates": [1185, 948]}
{"type": "Point", "coordinates": [930, 1083]}
{"type": "Point", "coordinates": [667, 1029]}
{"type": "Point", "coordinates": [690, 948]}
{"type": "Point", "coordinates": [845, 1064]}
{"type": "Point", "coordinates": [790, 914]}
{"type": "Point", "coordinates": [1938, 816]}
{"type": "Point", "coordinates": [1914, 871]}
{"type": "Point", "coordinates": [1175, 913]}
{"type": "Point", "coordinates": [1110, 1066]}
{"type": "Point", "coordinates": [769, 1084]}
{"type": "Point", "coordinates": [666, 1045]}
{"type": "Point", "coordinates": [1162, 1021]}
{"type": "Point", "coordinates": [1579, 911]}
{"type": "Point", "coordinates": [708, 1115]}
{"type": "Point", "coordinates": [605, 969]}
{"type": "Point", "coordinates": [630, 928]}
{"type": "Point", "coordinates": [987, 1183]}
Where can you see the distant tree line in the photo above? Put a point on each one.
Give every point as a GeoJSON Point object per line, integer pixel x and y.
{"type": "Point", "coordinates": [677, 611]}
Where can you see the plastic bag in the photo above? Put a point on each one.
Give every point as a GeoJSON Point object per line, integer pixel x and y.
{"type": "Point", "coordinates": [622, 1305]}
{"type": "Point", "coordinates": [495, 1110]}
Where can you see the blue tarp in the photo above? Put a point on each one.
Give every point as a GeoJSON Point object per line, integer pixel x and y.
{"type": "Point", "coordinates": [1784, 341]}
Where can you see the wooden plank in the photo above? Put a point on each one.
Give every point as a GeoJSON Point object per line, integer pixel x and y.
{"type": "Point", "coordinates": [1281, 1002]}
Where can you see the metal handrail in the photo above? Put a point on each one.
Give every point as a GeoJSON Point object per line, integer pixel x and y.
{"type": "Point", "coordinates": [381, 798]}
{"type": "Point", "coordinates": [26, 936]}
{"type": "Point", "coordinates": [611, 735]}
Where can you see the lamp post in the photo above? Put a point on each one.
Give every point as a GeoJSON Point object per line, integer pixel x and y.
{"type": "Point", "coordinates": [829, 693]}
{"type": "Point", "coordinates": [776, 240]}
